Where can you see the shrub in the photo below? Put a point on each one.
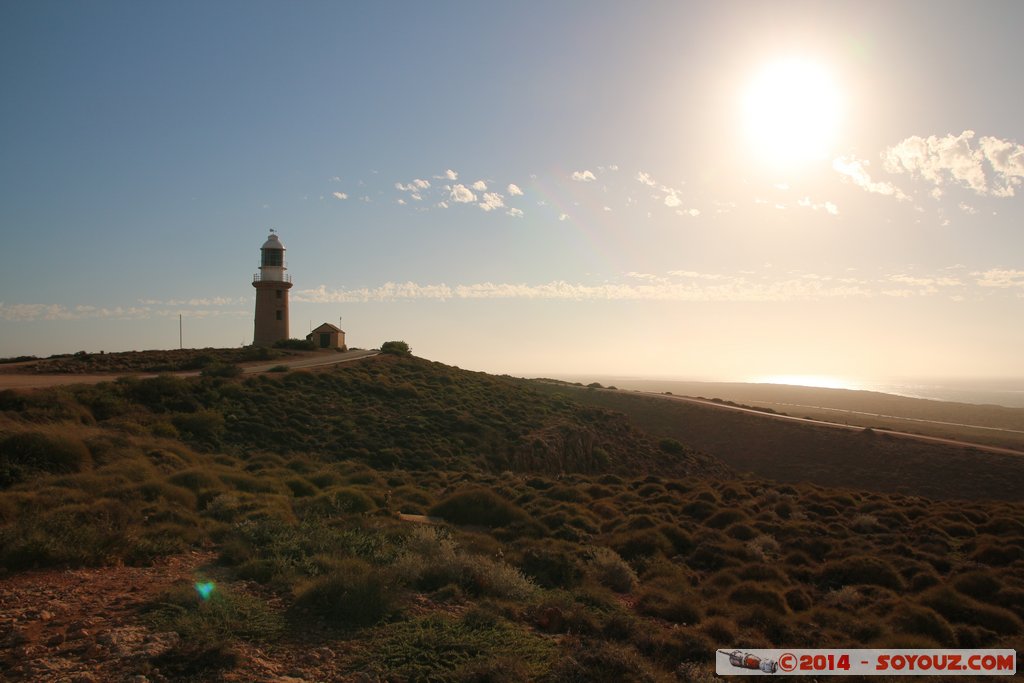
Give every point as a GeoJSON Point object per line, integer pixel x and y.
{"type": "Point", "coordinates": [396, 348]}
{"type": "Point", "coordinates": [480, 507]}
{"type": "Point", "coordinates": [752, 593]}
{"type": "Point", "coordinates": [27, 453]}
{"type": "Point", "coordinates": [860, 570]}
{"type": "Point", "coordinates": [603, 662]}
{"type": "Point", "coordinates": [641, 543]}
{"type": "Point", "coordinates": [336, 503]}
{"type": "Point", "coordinates": [668, 601]}
{"type": "Point", "coordinates": [960, 608]}
{"type": "Point", "coordinates": [295, 344]}
{"type": "Point", "coordinates": [222, 617]}
{"type": "Point", "coordinates": [611, 570]}
{"type": "Point", "coordinates": [354, 594]}
{"type": "Point", "coordinates": [552, 565]}
{"type": "Point", "coordinates": [918, 620]}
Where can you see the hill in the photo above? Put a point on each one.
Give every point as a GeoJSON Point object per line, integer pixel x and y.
{"type": "Point", "coordinates": [247, 528]}
{"type": "Point", "coordinates": [799, 452]}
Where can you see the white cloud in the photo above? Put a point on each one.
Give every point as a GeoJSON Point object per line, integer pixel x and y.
{"type": "Point", "coordinates": [563, 216]}
{"type": "Point", "coordinates": [646, 178]}
{"type": "Point", "coordinates": [999, 277]}
{"type": "Point", "coordinates": [492, 201]}
{"type": "Point", "coordinates": [991, 166]}
{"type": "Point", "coordinates": [583, 176]}
{"type": "Point", "coordinates": [935, 158]}
{"type": "Point", "coordinates": [451, 175]}
{"type": "Point", "coordinates": [462, 195]}
{"type": "Point", "coordinates": [480, 186]}
{"type": "Point", "coordinates": [193, 308]}
{"type": "Point", "coordinates": [514, 191]}
{"type": "Point", "coordinates": [693, 212]}
{"type": "Point", "coordinates": [855, 171]}
{"type": "Point", "coordinates": [515, 213]}
{"type": "Point", "coordinates": [415, 186]}
{"type": "Point", "coordinates": [827, 207]}
{"type": "Point", "coordinates": [339, 195]}
{"type": "Point", "coordinates": [442, 205]}
{"type": "Point", "coordinates": [672, 199]}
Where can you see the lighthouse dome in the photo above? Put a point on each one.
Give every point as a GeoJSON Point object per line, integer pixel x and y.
{"type": "Point", "coordinates": [272, 243]}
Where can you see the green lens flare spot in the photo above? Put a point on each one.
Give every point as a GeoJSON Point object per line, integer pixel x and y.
{"type": "Point", "coordinates": [205, 589]}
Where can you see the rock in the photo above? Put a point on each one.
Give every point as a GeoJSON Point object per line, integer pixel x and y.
{"type": "Point", "coordinates": [140, 679]}
{"type": "Point", "coordinates": [55, 639]}
{"type": "Point", "coordinates": [46, 615]}
{"type": "Point", "coordinates": [83, 677]}
{"type": "Point", "coordinates": [77, 634]}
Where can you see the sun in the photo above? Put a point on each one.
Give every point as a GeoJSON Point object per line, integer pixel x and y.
{"type": "Point", "coordinates": [791, 112]}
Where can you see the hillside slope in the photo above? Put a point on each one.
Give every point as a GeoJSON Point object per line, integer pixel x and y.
{"type": "Point", "coordinates": [249, 529]}
{"type": "Point", "coordinates": [798, 452]}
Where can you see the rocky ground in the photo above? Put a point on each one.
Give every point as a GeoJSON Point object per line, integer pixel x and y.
{"type": "Point", "coordinates": [86, 626]}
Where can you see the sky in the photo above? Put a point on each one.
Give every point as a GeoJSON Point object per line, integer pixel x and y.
{"type": "Point", "coordinates": [695, 190]}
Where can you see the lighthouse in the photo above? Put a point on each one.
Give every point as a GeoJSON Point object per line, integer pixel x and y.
{"type": "Point", "coordinates": [272, 285]}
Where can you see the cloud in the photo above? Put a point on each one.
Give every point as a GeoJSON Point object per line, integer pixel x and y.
{"type": "Point", "coordinates": [992, 166]}
{"type": "Point", "coordinates": [563, 217]}
{"type": "Point", "coordinates": [515, 213]}
{"type": "Point", "coordinates": [672, 199]}
{"type": "Point", "coordinates": [854, 170]}
{"type": "Point", "coordinates": [339, 195]}
{"type": "Point", "coordinates": [583, 176]}
{"type": "Point", "coordinates": [480, 186]}
{"type": "Point", "coordinates": [492, 201]}
{"type": "Point", "coordinates": [646, 178]}
{"type": "Point", "coordinates": [451, 175]}
{"type": "Point", "coordinates": [150, 307]}
{"type": "Point", "coordinates": [514, 191]}
{"type": "Point", "coordinates": [415, 186]}
{"type": "Point", "coordinates": [827, 207]}
{"type": "Point", "coordinates": [1001, 278]}
{"type": "Point", "coordinates": [462, 195]}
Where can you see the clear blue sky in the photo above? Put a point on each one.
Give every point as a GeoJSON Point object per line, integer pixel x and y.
{"type": "Point", "coordinates": [710, 190]}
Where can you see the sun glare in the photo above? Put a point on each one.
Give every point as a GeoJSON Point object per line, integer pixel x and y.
{"type": "Point", "coordinates": [817, 381]}
{"type": "Point", "coordinates": [791, 111]}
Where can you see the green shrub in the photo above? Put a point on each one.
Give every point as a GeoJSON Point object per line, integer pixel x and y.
{"type": "Point", "coordinates": [337, 502]}
{"type": "Point", "coordinates": [396, 348]}
{"type": "Point", "coordinates": [602, 662]}
{"type": "Point", "coordinates": [552, 565]}
{"type": "Point", "coordinates": [611, 570]}
{"type": "Point", "coordinates": [221, 618]}
{"type": "Point", "coordinates": [478, 507]}
{"type": "Point", "coordinates": [354, 594]}
{"type": "Point", "coordinates": [670, 601]}
{"type": "Point", "coordinates": [295, 344]}
{"type": "Point", "coordinates": [28, 453]}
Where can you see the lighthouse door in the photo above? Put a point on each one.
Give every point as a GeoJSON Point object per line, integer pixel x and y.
{"type": "Point", "coordinates": [325, 340]}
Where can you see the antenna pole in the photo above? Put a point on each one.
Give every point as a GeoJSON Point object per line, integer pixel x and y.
{"type": "Point", "coordinates": [180, 346]}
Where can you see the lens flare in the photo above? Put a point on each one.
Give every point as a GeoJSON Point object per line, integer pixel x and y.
{"type": "Point", "coordinates": [205, 589]}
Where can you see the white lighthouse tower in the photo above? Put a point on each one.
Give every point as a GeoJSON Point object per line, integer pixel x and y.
{"type": "Point", "coordinates": [272, 285]}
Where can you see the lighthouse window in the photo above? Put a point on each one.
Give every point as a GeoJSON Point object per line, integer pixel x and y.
{"type": "Point", "coordinates": [279, 315]}
{"type": "Point", "coordinates": [278, 293]}
{"type": "Point", "coordinates": [273, 257]}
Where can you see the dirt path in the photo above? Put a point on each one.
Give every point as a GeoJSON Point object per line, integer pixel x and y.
{"type": "Point", "coordinates": [86, 626]}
